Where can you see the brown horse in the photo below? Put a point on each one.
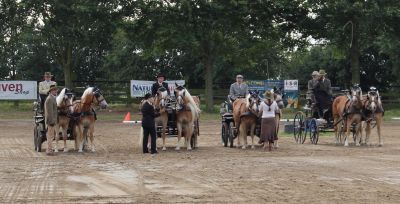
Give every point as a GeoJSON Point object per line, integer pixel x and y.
{"type": "Point", "coordinates": [373, 110]}
{"type": "Point", "coordinates": [161, 103]}
{"type": "Point", "coordinates": [64, 106]}
{"type": "Point", "coordinates": [187, 113]}
{"type": "Point", "coordinates": [348, 108]}
{"type": "Point", "coordinates": [245, 115]}
{"type": "Point", "coordinates": [86, 120]}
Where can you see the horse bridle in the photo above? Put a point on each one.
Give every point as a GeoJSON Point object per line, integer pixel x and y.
{"type": "Point", "coordinates": [256, 100]}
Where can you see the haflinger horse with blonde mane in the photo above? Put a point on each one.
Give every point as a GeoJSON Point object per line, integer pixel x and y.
{"type": "Point", "coordinates": [245, 116]}
{"type": "Point", "coordinates": [64, 105]}
{"type": "Point", "coordinates": [86, 116]}
{"type": "Point", "coordinates": [161, 101]}
{"type": "Point", "coordinates": [187, 113]}
{"type": "Point", "coordinates": [349, 109]}
{"type": "Point", "coordinates": [373, 112]}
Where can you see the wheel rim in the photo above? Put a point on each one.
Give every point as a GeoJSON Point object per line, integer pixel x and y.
{"type": "Point", "coordinates": [298, 126]}
{"type": "Point", "coordinates": [314, 131]}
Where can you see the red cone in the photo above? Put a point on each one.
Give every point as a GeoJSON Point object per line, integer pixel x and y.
{"type": "Point", "coordinates": [128, 117]}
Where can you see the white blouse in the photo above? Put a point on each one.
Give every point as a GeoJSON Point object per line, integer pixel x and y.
{"type": "Point", "coordinates": [267, 112]}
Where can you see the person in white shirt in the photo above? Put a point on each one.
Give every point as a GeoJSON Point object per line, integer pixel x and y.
{"type": "Point", "coordinates": [44, 87]}
{"type": "Point", "coordinates": [268, 109]}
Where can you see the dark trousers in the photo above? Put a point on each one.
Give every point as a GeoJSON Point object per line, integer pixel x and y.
{"type": "Point", "coordinates": [152, 132]}
{"type": "Point", "coordinates": [42, 100]}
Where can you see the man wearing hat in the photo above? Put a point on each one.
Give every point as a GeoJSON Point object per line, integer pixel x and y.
{"type": "Point", "coordinates": [51, 116]}
{"type": "Point", "coordinates": [323, 93]}
{"type": "Point", "coordinates": [148, 124]}
{"type": "Point", "coordinates": [160, 83]}
{"type": "Point", "coordinates": [44, 87]}
{"type": "Point", "coordinates": [237, 90]}
{"type": "Point", "coordinates": [310, 85]}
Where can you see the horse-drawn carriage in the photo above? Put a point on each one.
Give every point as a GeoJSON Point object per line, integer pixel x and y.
{"type": "Point", "coordinates": [171, 129]}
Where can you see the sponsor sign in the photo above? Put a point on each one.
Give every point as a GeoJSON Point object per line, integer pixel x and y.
{"type": "Point", "coordinates": [18, 90]}
{"type": "Point", "coordinates": [139, 87]}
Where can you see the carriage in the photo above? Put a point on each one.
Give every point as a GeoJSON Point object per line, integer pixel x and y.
{"type": "Point", "coordinates": [308, 123]}
{"type": "Point", "coordinates": [40, 130]}
{"type": "Point", "coordinates": [228, 129]}
{"type": "Point", "coordinates": [172, 130]}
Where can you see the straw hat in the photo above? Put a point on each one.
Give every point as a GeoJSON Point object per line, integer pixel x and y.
{"type": "Point", "coordinates": [322, 72]}
{"type": "Point", "coordinates": [315, 73]}
{"type": "Point", "coordinates": [269, 95]}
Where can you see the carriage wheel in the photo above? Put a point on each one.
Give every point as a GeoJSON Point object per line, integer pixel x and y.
{"type": "Point", "coordinates": [225, 133]}
{"type": "Point", "coordinates": [230, 134]}
{"type": "Point", "coordinates": [298, 127]}
{"type": "Point", "coordinates": [35, 137]}
{"type": "Point", "coordinates": [314, 130]}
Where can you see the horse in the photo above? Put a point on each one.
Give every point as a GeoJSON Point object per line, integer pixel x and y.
{"type": "Point", "coordinates": [64, 106]}
{"type": "Point", "coordinates": [86, 116]}
{"type": "Point", "coordinates": [187, 113]}
{"type": "Point", "coordinates": [161, 100]}
{"type": "Point", "coordinates": [245, 116]}
{"type": "Point", "coordinates": [373, 111]}
{"type": "Point", "coordinates": [278, 97]}
{"type": "Point", "coordinates": [348, 108]}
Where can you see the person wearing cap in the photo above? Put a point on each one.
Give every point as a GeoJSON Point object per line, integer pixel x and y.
{"type": "Point", "coordinates": [148, 124]}
{"type": "Point", "coordinates": [310, 88]}
{"type": "Point", "coordinates": [238, 89]}
{"type": "Point", "coordinates": [51, 117]}
{"type": "Point", "coordinates": [160, 83]}
{"type": "Point", "coordinates": [323, 93]}
{"type": "Point", "coordinates": [44, 87]}
{"type": "Point", "coordinates": [268, 110]}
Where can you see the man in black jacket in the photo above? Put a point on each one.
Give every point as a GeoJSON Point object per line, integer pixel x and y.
{"type": "Point", "coordinates": [148, 124]}
{"type": "Point", "coordinates": [160, 83]}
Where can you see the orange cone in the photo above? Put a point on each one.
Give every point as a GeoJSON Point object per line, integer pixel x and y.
{"type": "Point", "coordinates": [128, 117]}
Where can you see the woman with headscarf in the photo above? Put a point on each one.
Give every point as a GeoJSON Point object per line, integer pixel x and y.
{"type": "Point", "coordinates": [268, 110]}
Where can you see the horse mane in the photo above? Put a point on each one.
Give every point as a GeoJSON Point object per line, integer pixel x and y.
{"type": "Point", "coordinates": [247, 100]}
{"type": "Point", "coordinates": [189, 97]}
{"type": "Point", "coordinates": [60, 97]}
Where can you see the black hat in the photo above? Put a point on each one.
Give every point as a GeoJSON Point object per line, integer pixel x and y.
{"type": "Point", "coordinates": [161, 75]}
{"type": "Point", "coordinates": [147, 96]}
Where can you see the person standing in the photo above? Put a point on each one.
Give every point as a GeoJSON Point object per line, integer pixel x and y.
{"type": "Point", "coordinates": [148, 124]}
{"type": "Point", "coordinates": [268, 110]}
{"type": "Point", "coordinates": [160, 83]}
{"type": "Point", "coordinates": [44, 87]}
{"type": "Point", "coordinates": [51, 117]}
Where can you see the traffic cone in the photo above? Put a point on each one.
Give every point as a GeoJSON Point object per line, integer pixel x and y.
{"type": "Point", "coordinates": [128, 117]}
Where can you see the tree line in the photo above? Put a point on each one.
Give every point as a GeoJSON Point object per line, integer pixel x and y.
{"type": "Point", "coordinates": [205, 42]}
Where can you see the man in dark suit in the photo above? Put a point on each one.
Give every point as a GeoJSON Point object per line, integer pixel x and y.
{"type": "Point", "coordinates": [160, 83]}
{"type": "Point", "coordinates": [148, 124]}
{"type": "Point", "coordinates": [323, 93]}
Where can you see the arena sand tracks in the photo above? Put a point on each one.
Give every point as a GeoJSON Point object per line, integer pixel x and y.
{"type": "Point", "coordinates": [119, 173]}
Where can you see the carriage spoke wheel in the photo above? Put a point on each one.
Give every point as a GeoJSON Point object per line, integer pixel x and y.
{"type": "Point", "coordinates": [35, 137]}
{"type": "Point", "coordinates": [313, 130]}
{"type": "Point", "coordinates": [299, 127]}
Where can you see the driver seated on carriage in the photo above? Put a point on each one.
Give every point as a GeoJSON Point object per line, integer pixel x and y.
{"type": "Point", "coordinates": [322, 91]}
{"type": "Point", "coordinates": [239, 89]}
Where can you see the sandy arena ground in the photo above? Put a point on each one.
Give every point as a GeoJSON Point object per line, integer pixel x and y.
{"type": "Point", "coordinates": [119, 173]}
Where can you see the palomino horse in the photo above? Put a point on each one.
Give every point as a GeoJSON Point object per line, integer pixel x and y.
{"type": "Point", "coordinates": [86, 120]}
{"type": "Point", "coordinates": [245, 115]}
{"type": "Point", "coordinates": [373, 112]}
{"type": "Point", "coordinates": [64, 106]}
{"type": "Point", "coordinates": [278, 97]}
{"type": "Point", "coordinates": [187, 113]}
{"type": "Point", "coordinates": [160, 103]}
{"type": "Point", "coordinates": [348, 108]}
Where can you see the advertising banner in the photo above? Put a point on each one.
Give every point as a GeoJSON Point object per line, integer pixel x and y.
{"type": "Point", "coordinates": [139, 87]}
{"type": "Point", "coordinates": [18, 90]}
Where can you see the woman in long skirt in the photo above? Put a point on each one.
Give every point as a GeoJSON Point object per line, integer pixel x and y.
{"type": "Point", "coordinates": [268, 123]}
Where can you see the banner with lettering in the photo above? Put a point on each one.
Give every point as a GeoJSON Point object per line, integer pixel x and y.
{"type": "Point", "coordinates": [139, 87]}
{"type": "Point", "coordinates": [18, 90]}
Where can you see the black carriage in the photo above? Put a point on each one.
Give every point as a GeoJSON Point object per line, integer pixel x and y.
{"type": "Point", "coordinates": [172, 130]}
{"type": "Point", "coordinates": [40, 130]}
{"type": "Point", "coordinates": [228, 129]}
{"type": "Point", "coordinates": [311, 122]}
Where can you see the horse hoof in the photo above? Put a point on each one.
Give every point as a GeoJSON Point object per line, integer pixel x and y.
{"type": "Point", "coordinates": [358, 144]}
{"type": "Point", "coordinates": [56, 150]}
{"type": "Point", "coordinates": [93, 150]}
{"type": "Point", "coordinates": [66, 150]}
{"type": "Point", "coordinates": [177, 148]}
{"type": "Point", "coordinates": [380, 145]}
{"type": "Point", "coordinates": [164, 149]}
{"type": "Point", "coordinates": [253, 147]}
{"type": "Point", "coordinates": [189, 149]}
{"type": "Point", "coordinates": [80, 151]}
{"type": "Point", "coordinates": [243, 147]}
